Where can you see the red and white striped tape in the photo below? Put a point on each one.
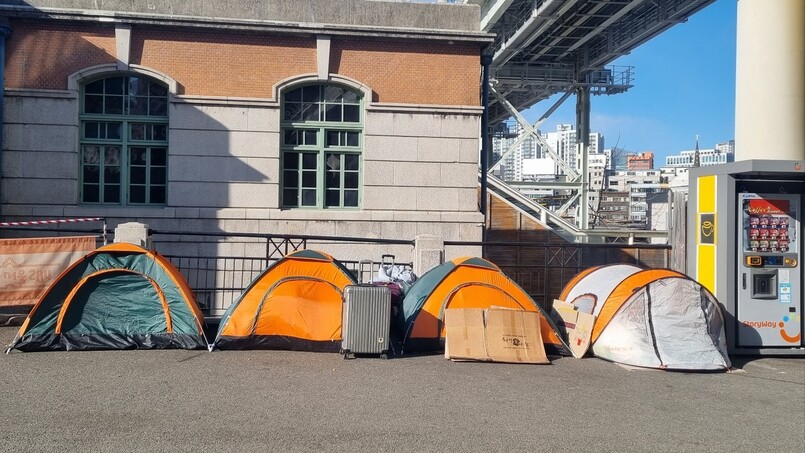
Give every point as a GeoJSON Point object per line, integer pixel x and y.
{"type": "Point", "coordinates": [52, 221]}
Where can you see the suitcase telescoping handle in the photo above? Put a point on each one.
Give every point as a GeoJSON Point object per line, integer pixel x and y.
{"type": "Point", "coordinates": [365, 267]}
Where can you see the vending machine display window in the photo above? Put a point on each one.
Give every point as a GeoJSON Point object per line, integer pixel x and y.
{"type": "Point", "coordinates": [766, 223]}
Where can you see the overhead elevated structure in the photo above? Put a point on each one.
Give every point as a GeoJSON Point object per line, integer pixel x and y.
{"type": "Point", "coordinates": [545, 47]}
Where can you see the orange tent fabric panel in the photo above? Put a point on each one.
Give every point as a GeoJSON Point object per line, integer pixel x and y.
{"type": "Point", "coordinates": [471, 283]}
{"type": "Point", "coordinates": [297, 297]}
{"type": "Point", "coordinates": [623, 291]}
{"type": "Point", "coordinates": [309, 310]}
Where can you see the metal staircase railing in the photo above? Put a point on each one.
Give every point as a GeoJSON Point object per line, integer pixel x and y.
{"type": "Point", "coordinates": [534, 210]}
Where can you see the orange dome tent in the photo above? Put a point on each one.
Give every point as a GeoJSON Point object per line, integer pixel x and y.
{"type": "Point", "coordinates": [464, 283]}
{"type": "Point", "coordinates": [294, 304]}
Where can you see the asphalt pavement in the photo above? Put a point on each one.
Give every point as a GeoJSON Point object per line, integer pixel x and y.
{"type": "Point", "coordinates": [240, 401]}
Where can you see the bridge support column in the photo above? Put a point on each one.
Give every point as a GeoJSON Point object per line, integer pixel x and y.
{"type": "Point", "coordinates": [582, 153]}
{"type": "Point", "coordinates": [770, 80]}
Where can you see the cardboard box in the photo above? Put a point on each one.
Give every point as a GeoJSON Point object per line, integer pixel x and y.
{"type": "Point", "coordinates": [576, 327]}
{"type": "Point", "coordinates": [466, 329]}
{"type": "Point", "coordinates": [564, 315]}
{"type": "Point", "coordinates": [493, 335]}
{"type": "Point", "coordinates": [579, 338]}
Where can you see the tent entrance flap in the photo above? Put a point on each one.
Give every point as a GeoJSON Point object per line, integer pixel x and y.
{"type": "Point", "coordinates": [101, 305]}
{"type": "Point", "coordinates": [301, 308]}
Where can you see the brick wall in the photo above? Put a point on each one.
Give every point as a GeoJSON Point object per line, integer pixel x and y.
{"type": "Point", "coordinates": [208, 63]}
{"type": "Point", "coordinates": [212, 63]}
{"type": "Point", "coordinates": [42, 55]}
{"type": "Point", "coordinates": [412, 72]}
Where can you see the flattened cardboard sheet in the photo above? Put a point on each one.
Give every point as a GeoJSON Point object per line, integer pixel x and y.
{"type": "Point", "coordinates": [464, 333]}
{"type": "Point", "coordinates": [496, 335]}
{"type": "Point", "coordinates": [580, 336]}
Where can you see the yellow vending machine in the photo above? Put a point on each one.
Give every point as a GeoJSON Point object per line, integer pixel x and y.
{"type": "Point", "coordinates": [744, 243]}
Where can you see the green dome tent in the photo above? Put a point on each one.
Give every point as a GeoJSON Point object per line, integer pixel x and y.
{"type": "Point", "coordinates": [120, 296]}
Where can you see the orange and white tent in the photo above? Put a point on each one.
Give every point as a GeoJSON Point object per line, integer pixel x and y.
{"type": "Point", "coordinates": [294, 304]}
{"type": "Point", "coordinates": [656, 318]}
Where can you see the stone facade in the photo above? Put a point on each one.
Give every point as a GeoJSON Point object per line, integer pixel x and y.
{"type": "Point", "coordinates": [421, 125]}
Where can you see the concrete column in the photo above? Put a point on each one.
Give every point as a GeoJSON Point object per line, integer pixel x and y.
{"type": "Point", "coordinates": [134, 233]}
{"type": "Point", "coordinates": [582, 153]}
{"type": "Point", "coordinates": [428, 253]}
{"type": "Point", "coordinates": [123, 45]}
{"type": "Point", "coordinates": [323, 56]}
{"type": "Point", "coordinates": [770, 80]}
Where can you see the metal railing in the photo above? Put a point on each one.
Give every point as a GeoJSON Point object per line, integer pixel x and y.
{"type": "Point", "coordinates": [540, 269]}
{"type": "Point", "coordinates": [543, 270]}
{"type": "Point", "coordinates": [218, 280]}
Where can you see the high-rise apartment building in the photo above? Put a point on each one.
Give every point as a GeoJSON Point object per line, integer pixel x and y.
{"type": "Point", "coordinates": [564, 142]}
{"type": "Point", "coordinates": [511, 167]}
{"type": "Point", "coordinates": [727, 147]}
{"type": "Point", "coordinates": [616, 158]}
{"type": "Point", "coordinates": [639, 185]}
{"type": "Point", "coordinates": [597, 170]}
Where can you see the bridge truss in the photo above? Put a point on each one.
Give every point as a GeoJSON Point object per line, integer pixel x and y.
{"type": "Point", "coordinates": [546, 47]}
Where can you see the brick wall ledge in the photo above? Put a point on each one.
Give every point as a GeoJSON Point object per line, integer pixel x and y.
{"type": "Point", "coordinates": [255, 25]}
{"type": "Point", "coordinates": [36, 93]}
{"type": "Point", "coordinates": [425, 108]}
{"type": "Point", "coordinates": [372, 107]}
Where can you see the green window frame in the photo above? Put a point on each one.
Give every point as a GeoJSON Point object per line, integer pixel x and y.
{"type": "Point", "coordinates": [321, 143]}
{"type": "Point", "coordinates": [123, 150]}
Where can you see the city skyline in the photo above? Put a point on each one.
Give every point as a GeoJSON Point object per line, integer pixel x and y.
{"type": "Point", "coordinates": [530, 148]}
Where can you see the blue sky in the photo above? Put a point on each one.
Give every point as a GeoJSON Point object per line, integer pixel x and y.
{"type": "Point", "coordinates": [684, 85]}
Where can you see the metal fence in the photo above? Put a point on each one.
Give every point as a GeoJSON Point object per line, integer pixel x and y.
{"type": "Point", "coordinates": [218, 280]}
{"type": "Point", "coordinates": [541, 270]}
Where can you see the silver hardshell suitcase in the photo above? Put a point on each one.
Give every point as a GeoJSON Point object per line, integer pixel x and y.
{"type": "Point", "coordinates": [366, 321]}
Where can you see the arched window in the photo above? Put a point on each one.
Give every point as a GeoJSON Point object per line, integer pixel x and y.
{"type": "Point", "coordinates": [322, 139]}
{"type": "Point", "coordinates": [124, 141]}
